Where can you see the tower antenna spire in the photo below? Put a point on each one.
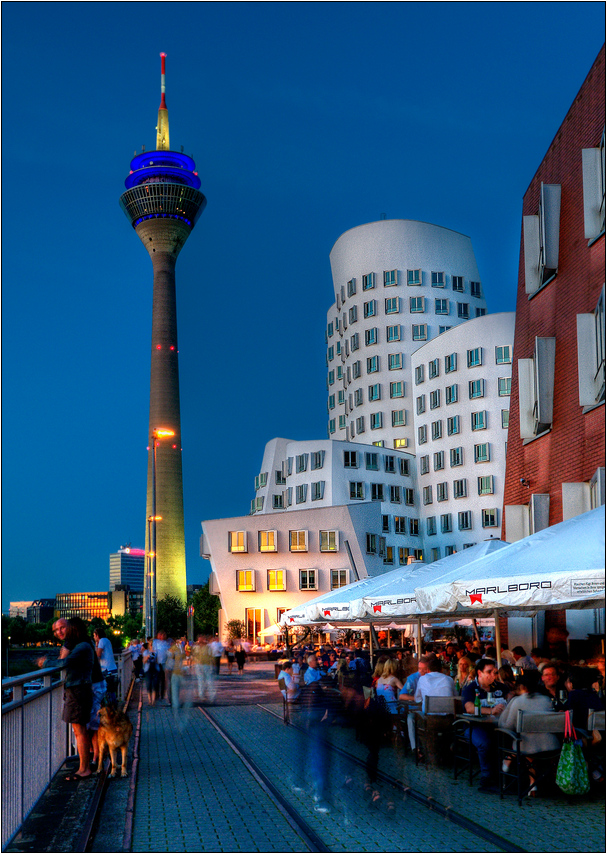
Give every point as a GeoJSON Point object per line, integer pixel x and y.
{"type": "Point", "coordinates": [162, 129]}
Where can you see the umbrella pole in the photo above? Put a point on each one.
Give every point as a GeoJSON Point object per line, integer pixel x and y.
{"type": "Point", "coordinates": [371, 646]}
{"type": "Point", "coordinates": [498, 638]}
{"type": "Point", "coordinates": [476, 629]}
{"type": "Point", "coordinates": [419, 639]}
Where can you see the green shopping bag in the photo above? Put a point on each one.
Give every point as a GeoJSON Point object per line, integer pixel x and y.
{"type": "Point", "coordinates": [572, 771]}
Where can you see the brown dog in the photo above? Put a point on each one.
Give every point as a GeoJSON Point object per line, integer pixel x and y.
{"type": "Point", "coordinates": [115, 730]}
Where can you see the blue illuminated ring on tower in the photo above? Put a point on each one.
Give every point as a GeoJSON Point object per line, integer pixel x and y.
{"type": "Point", "coordinates": [161, 166]}
{"type": "Point", "coordinates": [174, 201]}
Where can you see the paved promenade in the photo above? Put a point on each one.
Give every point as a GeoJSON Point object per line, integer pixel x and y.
{"type": "Point", "coordinates": [194, 793]}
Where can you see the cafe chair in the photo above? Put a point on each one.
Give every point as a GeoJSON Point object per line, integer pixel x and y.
{"type": "Point", "coordinates": [433, 728]}
{"type": "Point", "coordinates": [514, 765]}
{"type": "Point", "coordinates": [596, 720]}
{"type": "Point", "coordinates": [285, 706]}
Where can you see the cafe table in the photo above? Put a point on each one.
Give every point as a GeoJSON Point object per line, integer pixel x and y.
{"type": "Point", "coordinates": [462, 737]}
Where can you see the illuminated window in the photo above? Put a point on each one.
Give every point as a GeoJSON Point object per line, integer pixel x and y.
{"type": "Point", "coordinates": [267, 541]}
{"type": "Point", "coordinates": [276, 580]}
{"type": "Point", "coordinates": [329, 541]}
{"type": "Point", "coordinates": [298, 541]}
{"type": "Point", "coordinates": [237, 541]}
{"type": "Point", "coordinates": [245, 580]}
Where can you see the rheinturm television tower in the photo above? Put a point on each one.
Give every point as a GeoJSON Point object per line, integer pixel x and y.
{"type": "Point", "coordinates": [163, 202]}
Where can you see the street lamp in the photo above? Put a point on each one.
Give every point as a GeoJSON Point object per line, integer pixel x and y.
{"type": "Point", "coordinates": [150, 622]}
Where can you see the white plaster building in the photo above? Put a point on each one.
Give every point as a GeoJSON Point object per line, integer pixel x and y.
{"type": "Point", "coordinates": [461, 391]}
{"type": "Point", "coordinates": [397, 283]}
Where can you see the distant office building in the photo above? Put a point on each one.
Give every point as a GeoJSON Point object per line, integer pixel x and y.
{"type": "Point", "coordinates": [41, 611]}
{"type": "Point", "coordinates": [19, 609]}
{"type": "Point", "coordinates": [127, 566]}
{"type": "Point", "coordinates": [193, 588]}
{"type": "Point", "coordinates": [84, 605]}
{"type": "Point", "coordinates": [123, 600]}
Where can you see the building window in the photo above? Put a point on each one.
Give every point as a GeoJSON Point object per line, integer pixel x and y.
{"type": "Point", "coordinates": [393, 333]}
{"type": "Point", "coordinates": [371, 336]}
{"type": "Point", "coordinates": [371, 544]}
{"type": "Point", "coordinates": [398, 418]}
{"type": "Point", "coordinates": [414, 527]}
{"type": "Point", "coordinates": [463, 310]}
{"type": "Point", "coordinates": [490, 517]}
{"type": "Point", "coordinates": [457, 283]}
{"type": "Point", "coordinates": [503, 386]}
{"type": "Point", "coordinates": [360, 425]}
{"type": "Point", "coordinates": [456, 457]}
{"type": "Point", "coordinates": [342, 422]}
{"type": "Point", "coordinates": [395, 494]}
{"type": "Point", "coordinates": [257, 504]}
{"type": "Point", "coordinates": [329, 541]}
{"type": "Point", "coordinates": [340, 372]}
{"type": "Point", "coordinates": [505, 418]}
{"type": "Point", "coordinates": [442, 491]}
{"type": "Point", "coordinates": [358, 397]}
{"type": "Point", "coordinates": [441, 306]}
{"type": "Point", "coordinates": [475, 289]}
{"type": "Point", "coordinates": [451, 394]}
{"type": "Point", "coordinates": [298, 541]}
{"type": "Point", "coordinates": [341, 395]}
{"type": "Point", "coordinates": [267, 541]}
{"type": "Point", "coordinates": [427, 495]}
{"type": "Point", "coordinates": [435, 399]}
{"type": "Point", "coordinates": [414, 277]}
{"type": "Point", "coordinates": [416, 305]}
{"type": "Point", "coordinates": [479, 420]}
{"type": "Point", "coordinates": [422, 434]}
{"type": "Point", "coordinates": [376, 420]}
{"type": "Point", "coordinates": [439, 460]}
{"type": "Point", "coordinates": [307, 579]}
{"type": "Point", "coordinates": [420, 404]}
{"type": "Point", "coordinates": [377, 492]}
{"type": "Point", "coordinates": [331, 404]}
{"type": "Point", "coordinates": [395, 361]}
{"type": "Point", "coordinates": [541, 239]}
{"type": "Point", "coordinates": [453, 425]}
{"type": "Point", "coordinates": [277, 502]}
{"type": "Point", "coordinates": [403, 466]}
{"type": "Point", "coordinates": [389, 556]}
{"type": "Point", "coordinates": [339, 578]}
{"type": "Point", "coordinates": [372, 364]}
{"type": "Point", "coordinates": [318, 490]}
{"type": "Point", "coordinates": [438, 280]}
{"type": "Point", "coordinates": [409, 497]}
{"type": "Point", "coordinates": [371, 461]}
{"type": "Point", "coordinates": [445, 523]}
{"type": "Point", "coordinates": [317, 460]}
{"type": "Point", "coordinates": [356, 370]}
{"type": "Point", "coordinates": [419, 374]}
{"type": "Point", "coordinates": [392, 305]}
{"type": "Point", "coordinates": [357, 490]}
{"type": "Point", "coordinates": [475, 357]}
{"type": "Point", "coordinates": [370, 308]}
{"type": "Point", "coordinates": [464, 520]}
{"type": "Point", "coordinates": [476, 388]}
{"type": "Point", "coordinates": [350, 459]}
{"type": "Point", "coordinates": [375, 392]}
{"type": "Point", "coordinates": [389, 464]}
{"type": "Point", "coordinates": [485, 485]}
{"type": "Point", "coordinates": [351, 287]}
{"type": "Point", "coordinates": [400, 524]}
{"type": "Point", "coordinates": [354, 342]}
{"type": "Point", "coordinates": [431, 526]}
{"type": "Point", "coordinates": [390, 278]}
{"type": "Point", "coordinates": [353, 314]}
{"type": "Point", "coordinates": [368, 281]}
{"type": "Point", "coordinates": [331, 378]}
{"type": "Point", "coordinates": [301, 493]}
{"type": "Point", "coordinates": [480, 312]}
{"type": "Point", "coordinates": [276, 580]}
{"type": "Point", "coordinates": [329, 330]}
{"type": "Point", "coordinates": [237, 541]}
{"type": "Point", "coordinates": [424, 464]}
{"type": "Point", "coordinates": [437, 429]}
{"type": "Point", "coordinates": [420, 332]}
{"type": "Point", "coordinates": [397, 389]}
{"type": "Point", "coordinates": [460, 488]}
{"type": "Point", "coordinates": [261, 479]}
{"type": "Point", "coordinates": [331, 354]}
{"type": "Point", "coordinates": [450, 363]}
{"type": "Point", "coordinates": [482, 453]}
{"type": "Point", "coordinates": [245, 580]}
{"type": "Point", "coordinates": [503, 355]}
{"type": "Point", "coordinates": [301, 462]}
{"type": "Point", "coordinates": [433, 369]}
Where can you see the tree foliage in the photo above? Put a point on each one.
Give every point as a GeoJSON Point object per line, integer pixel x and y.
{"type": "Point", "coordinates": [171, 616]}
{"type": "Point", "coordinates": [206, 611]}
{"type": "Point", "coordinates": [236, 629]}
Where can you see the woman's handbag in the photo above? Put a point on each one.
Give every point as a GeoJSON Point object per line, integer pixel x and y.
{"type": "Point", "coordinates": [572, 771]}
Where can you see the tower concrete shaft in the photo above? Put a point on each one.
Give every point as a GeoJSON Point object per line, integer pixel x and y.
{"type": "Point", "coordinates": [163, 202]}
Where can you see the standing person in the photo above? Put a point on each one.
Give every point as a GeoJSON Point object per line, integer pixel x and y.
{"type": "Point", "coordinates": [240, 656]}
{"type": "Point", "coordinates": [217, 648]}
{"type": "Point", "coordinates": [78, 693]}
{"type": "Point", "coordinates": [161, 649]}
{"type": "Point", "coordinates": [150, 672]}
{"type": "Point", "coordinates": [105, 654]}
{"type": "Point", "coordinates": [205, 669]}
{"type": "Point", "coordinates": [175, 665]}
{"type": "Point", "coordinates": [136, 651]}
{"type": "Point", "coordinates": [231, 656]}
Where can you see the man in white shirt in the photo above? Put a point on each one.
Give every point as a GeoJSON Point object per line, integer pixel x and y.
{"type": "Point", "coordinates": [217, 648]}
{"type": "Point", "coordinates": [434, 683]}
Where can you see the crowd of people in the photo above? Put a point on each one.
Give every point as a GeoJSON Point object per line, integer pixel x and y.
{"type": "Point", "coordinates": [379, 700]}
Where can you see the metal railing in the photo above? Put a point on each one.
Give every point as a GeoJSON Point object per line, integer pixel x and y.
{"type": "Point", "coordinates": [35, 743]}
{"type": "Point", "coordinates": [35, 739]}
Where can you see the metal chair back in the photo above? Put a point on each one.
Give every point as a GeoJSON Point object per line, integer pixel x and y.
{"type": "Point", "coordinates": [596, 720]}
{"type": "Point", "coordinates": [540, 721]}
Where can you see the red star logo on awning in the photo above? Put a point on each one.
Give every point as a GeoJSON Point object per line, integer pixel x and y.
{"type": "Point", "coordinates": [476, 597]}
{"type": "Point", "coordinates": [327, 613]}
{"type": "Point", "coordinates": [292, 619]}
{"type": "Point", "coordinates": [377, 609]}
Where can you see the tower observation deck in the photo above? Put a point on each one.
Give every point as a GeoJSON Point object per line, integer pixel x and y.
{"type": "Point", "coordinates": [163, 203]}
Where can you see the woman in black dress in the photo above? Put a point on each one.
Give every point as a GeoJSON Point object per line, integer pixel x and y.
{"type": "Point", "coordinates": [240, 656]}
{"type": "Point", "coordinates": [78, 691]}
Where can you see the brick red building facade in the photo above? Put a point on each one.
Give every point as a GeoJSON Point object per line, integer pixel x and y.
{"type": "Point", "coordinates": [556, 444]}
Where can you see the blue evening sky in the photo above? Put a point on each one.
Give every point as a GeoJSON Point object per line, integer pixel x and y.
{"type": "Point", "coordinates": [305, 120]}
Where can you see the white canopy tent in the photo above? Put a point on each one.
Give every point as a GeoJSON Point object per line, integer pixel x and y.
{"type": "Point", "coordinates": [559, 567]}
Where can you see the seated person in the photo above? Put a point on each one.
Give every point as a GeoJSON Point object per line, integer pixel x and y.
{"type": "Point", "coordinates": [379, 669]}
{"type": "Point", "coordinates": [553, 686]}
{"type": "Point", "coordinates": [407, 695]}
{"type": "Point", "coordinates": [465, 673]}
{"type": "Point", "coordinates": [434, 683]}
{"type": "Point", "coordinates": [527, 699]}
{"type": "Point", "coordinates": [522, 660]}
{"type": "Point", "coordinates": [288, 683]}
{"type": "Point", "coordinates": [581, 698]}
{"type": "Point", "coordinates": [485, 683]}
{"type": "Point", "coordinates": [389, 685]}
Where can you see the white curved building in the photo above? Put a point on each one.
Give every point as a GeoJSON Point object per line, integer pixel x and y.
{"type": "Point", "coordinates": [398, 283]}
{"type": "Point", "coordinates": [461, 403]}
